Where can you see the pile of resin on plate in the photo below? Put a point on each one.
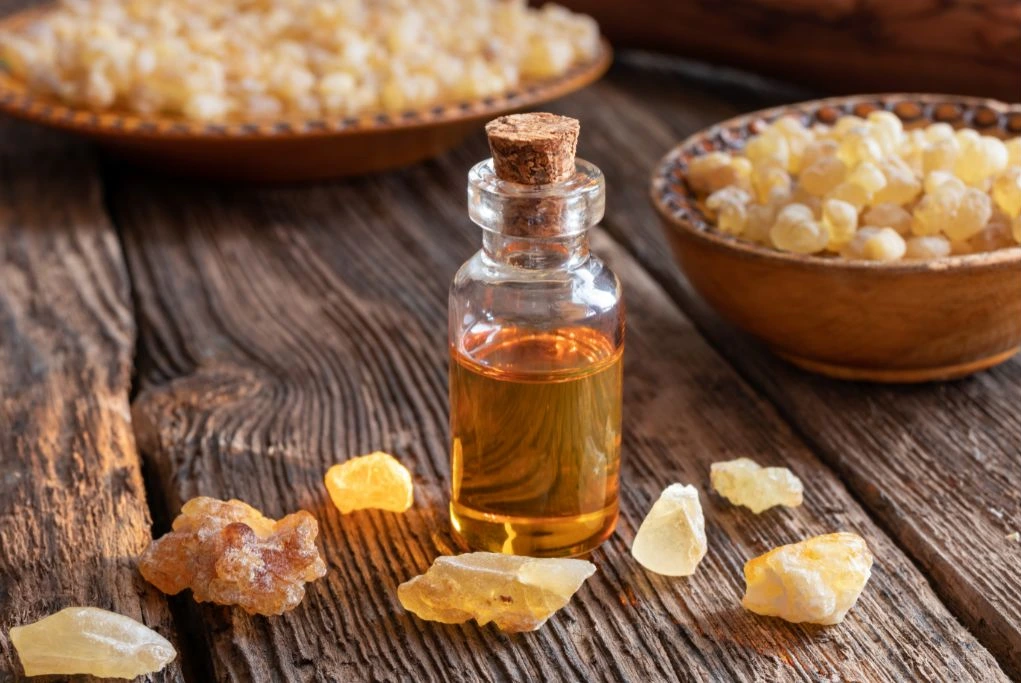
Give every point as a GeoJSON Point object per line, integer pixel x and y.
{"type": "Point", "coordinates": [816, 581]}
{"type": "Point", "coordinates": [227, 552]}
{"type": "Point", "coordinates": [216, 59]}
{"type": "Point", "coordinates": [672, 540]}
{"type": "Point", "coordinates": [373, 481]}
{"type": "Point", "coordinates": [515, 593]}
{"type": "Point", "coordinates": [89, 640]}
{"type": "Point", "coordinates": [745, 482]}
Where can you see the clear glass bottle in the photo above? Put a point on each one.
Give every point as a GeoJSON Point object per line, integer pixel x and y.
{"type": "Point", "coordinates": [536, 339]}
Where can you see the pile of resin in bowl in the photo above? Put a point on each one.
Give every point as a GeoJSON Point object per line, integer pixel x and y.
{"type": "Point", "coordinates": [865, 188]}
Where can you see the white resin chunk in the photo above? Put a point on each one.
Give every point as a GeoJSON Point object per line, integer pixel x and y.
{"type": "Point", "coordinates": [815, 581]}
{"type": "Point", "coordinates": [745, 482]}
{"type": "Point", "coordinates": [89, 640]}
{"type": "Point", "coordinates": [671, 540]}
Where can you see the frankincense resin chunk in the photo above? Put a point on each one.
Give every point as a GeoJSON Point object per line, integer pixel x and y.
{"type": "Point", "coordinates": [816, 581]}
{"type": "Point", "coordinates": [376, 480]}
{"type": "Point", "coordinates": [672, 539]}
{"type": "Point", "coordinates": [745, 482]}
{"type": "Point", "coordinates": [227, 552]}
{"type": "Point", "coordinates": [516, 593]}
{"type": "Point", "coordinates": [89, 640]}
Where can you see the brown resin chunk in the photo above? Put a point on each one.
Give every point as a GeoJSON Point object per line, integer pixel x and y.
{"type": "Point", "coordinates": [227, 552]}
{"type": "Point", "coordinates": [533, 149]}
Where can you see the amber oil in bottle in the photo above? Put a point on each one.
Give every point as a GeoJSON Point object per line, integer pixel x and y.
{"type": "Point", "coordinates": [535, 367]}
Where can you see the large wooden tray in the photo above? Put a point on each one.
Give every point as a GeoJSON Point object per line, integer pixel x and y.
{"type": "Point", "coordinates": [286, 150]}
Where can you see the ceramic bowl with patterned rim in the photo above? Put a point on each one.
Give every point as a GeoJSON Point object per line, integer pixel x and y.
{"type": "Point", "coordinates": [283, 151]}
{"type": "Point", "coordinates": [907, 321]}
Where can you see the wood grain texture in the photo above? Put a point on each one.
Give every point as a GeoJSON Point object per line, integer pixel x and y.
{"type": "Point", "coordinates": [846, 46]}
{"type": "Point", "coordinates": [73, 512]}
{"type": "Point", "coordinates": [285, 330]}
{"type": "Point", "coordinates": [938, 465]}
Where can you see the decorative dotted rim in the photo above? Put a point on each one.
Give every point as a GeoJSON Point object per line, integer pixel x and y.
{"type": "Point", "coordinates": [679, 206]}
{"type": "Point", "coordinates": [15, 100]}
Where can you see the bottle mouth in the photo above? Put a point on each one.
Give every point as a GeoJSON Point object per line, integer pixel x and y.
{"type": "Point", "coordinates": [559, 209]}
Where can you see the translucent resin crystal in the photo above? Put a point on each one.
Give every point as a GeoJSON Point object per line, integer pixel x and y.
{"type": "Point", "coordinates": [375, 481]}
{"type": "Point", "coordinates": [816, 581]}
{"type": "Point", "coordinates": [672, 539]}
{"type": "Point", "coordinates": [89, 640]}
{"type": "Point", "coordinates": [745, 482]}
{"type": "Point", "coordinates": [515, 593]}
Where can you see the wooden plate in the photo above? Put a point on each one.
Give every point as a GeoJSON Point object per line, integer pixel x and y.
{"type": "Point", "coordinates": [282, 151]}
{"type": "Point", "coordinates": [907, 321]}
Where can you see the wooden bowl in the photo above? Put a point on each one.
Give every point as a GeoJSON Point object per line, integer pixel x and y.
{"type": "Point", "coordinates": [911, 321]}
{"type": "Point", "coordinates": [282, 151]}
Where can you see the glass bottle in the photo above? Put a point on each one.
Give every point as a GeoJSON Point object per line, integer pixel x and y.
{"type": "Point", "coordinates": [536, 340]}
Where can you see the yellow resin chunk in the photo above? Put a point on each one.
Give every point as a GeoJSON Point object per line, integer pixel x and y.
{"type": "Point", "coordinates": [889, 216]}
{"type": "Point", "coordinates": [729, 205]}
{"type": "Point", "coordinates": [1007, 191]}
{"type": "Point", "coordinates": [884, 245]}
{"type": "Point", "coordinates": [930, 246]}
{"type": "Point", "coordinates": [671, 540]}
{"type": "Point", "coordinates": [796, 230]}
{"type": "Point", "coordinates": [374, 481]}
{"type": "Point", "coordinates": [516, 593]}
{"type": "Point", "coordinates": [745, 482]}
{"type": "Point", "coordinates": [841, 220]}
{"type": "Point", "coordinates": [89, 640]}
{"type": "Point", "coordinates": [717, 170]}
{"type": "Point", "coordinates": [815, 581]}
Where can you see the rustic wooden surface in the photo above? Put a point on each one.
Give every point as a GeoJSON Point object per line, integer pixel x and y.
{"type": "Point", "coordinates": [939, 466]}
{"type": "Point", "coordinates": [283, 330]}
{"type": "Point", "coordinates": [73, 512]}
{"type": "Point", "coordinates": [287, 332]}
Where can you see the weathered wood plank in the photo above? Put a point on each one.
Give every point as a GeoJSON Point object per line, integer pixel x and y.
{"type": "Point", "coordinates": [938, 465]}
{"type": "Point", "coordinates": [73, 512]}
{"type": "Point", "coordinates": [285, 330]}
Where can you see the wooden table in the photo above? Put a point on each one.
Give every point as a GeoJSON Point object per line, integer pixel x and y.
{"type": "Point", "coordinates": [162, 339]}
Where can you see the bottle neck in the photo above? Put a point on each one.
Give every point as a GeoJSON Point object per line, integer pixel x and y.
{"type": "Point", "coordinates": [536, 253]}
{"type": "Point", "coordinates": [536, 227]}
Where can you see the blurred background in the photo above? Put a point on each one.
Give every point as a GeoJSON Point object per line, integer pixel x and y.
{"type": "Point", "coordinates": [968, 47]}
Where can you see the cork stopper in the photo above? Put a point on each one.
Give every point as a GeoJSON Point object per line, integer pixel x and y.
{"type": "Point", "coordinates": [533, 149]}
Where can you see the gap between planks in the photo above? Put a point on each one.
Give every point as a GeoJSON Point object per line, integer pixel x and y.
{"type": "Point", "coordinates": [192, 650]}
{"type": "Point", "coordinates": [73, 514]}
